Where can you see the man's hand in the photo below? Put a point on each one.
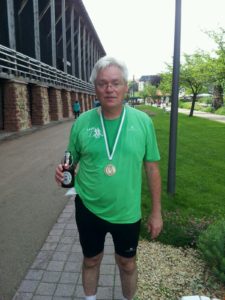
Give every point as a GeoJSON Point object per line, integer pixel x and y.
{"type": "Point", "coordinates": [155, 225]}
{"type": "Point", "coordinates": [59, 174]}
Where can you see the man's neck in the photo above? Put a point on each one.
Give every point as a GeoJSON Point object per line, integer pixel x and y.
{"type": "Point", "coordinates": [111, 114]}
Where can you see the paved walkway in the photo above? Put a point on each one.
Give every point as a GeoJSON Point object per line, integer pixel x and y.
{"type": "Point", "coordinates": [205, 115]}
{"type": "Point", "coordinates": [56, 271]}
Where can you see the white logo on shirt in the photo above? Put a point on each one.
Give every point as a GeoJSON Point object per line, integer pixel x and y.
{"type": "Point", "coordinates": [94, 132]}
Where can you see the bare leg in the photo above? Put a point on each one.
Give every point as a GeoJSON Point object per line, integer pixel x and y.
{"type": "Point", "coordinates": [90, 274]}
{"type": "Point", "coordinates": [128, 275]}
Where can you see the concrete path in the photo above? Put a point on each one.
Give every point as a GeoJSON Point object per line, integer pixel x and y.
{"type": "Point", "coordinates": [205, 115]}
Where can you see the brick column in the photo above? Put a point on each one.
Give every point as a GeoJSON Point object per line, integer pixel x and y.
{"type": "Point", "coordinates": [85, 102]}
{"type": "Point", "coordinates": [40, 105]}
{"type": "Point", "coordinates": [16, 106]}
{"type": "Point", "coordinates": [55, 104]}
{"type": "Point", "coordinates": [66, 103]}
{"type": "Point", "coordinates": [80, 99]}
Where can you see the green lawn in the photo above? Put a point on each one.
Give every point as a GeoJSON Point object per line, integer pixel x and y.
{"type": "Point", "coordinates": [200, 166]}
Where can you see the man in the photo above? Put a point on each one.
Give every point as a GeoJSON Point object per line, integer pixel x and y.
{"type": "Point", "coordinates": [110, 143]}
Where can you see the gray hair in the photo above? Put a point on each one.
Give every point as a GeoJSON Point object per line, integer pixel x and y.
{"type": "Point", "coordinates": [105, 62]}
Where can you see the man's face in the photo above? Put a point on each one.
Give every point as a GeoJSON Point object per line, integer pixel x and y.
{"type": "Point", "coordinates": [110, 87]}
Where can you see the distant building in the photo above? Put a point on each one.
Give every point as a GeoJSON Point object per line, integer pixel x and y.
{"type": "Point", "coordinates": [149, 79]}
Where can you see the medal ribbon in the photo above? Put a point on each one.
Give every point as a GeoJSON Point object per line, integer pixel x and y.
{"type": "Point", "coordinates": [110, 156]}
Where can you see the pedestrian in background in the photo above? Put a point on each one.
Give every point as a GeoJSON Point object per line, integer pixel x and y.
{"type": "Point", "coordinates": [76, 109]}
{"type": "Point", "coordinates": [111, 143]}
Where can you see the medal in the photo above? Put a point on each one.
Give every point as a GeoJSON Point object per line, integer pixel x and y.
{"type": "Point", "coordinates": [110, 169]}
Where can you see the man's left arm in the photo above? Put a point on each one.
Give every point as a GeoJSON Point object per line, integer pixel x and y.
{"type": "Point", "coordinates": [155, 222]}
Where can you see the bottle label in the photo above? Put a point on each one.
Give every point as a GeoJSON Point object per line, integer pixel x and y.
{"type": "Point", "coordinates": [67, 178]}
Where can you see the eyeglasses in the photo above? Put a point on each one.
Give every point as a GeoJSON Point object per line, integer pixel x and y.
{"type": "Point", "coordinates": [115, 85]}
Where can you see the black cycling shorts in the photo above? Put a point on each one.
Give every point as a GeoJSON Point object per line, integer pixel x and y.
{"type": "Point", "coordinates": [92, 231]}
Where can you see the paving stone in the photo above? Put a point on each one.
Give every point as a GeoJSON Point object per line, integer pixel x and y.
{"type": "Point", "coordinates": [107, 269]}
{"type": "Point", "coordinates": [68, 240]}
{"type": "Point", "coordinates": [51, 277]}
{"type": "Point", "coordinates": [108, 259]}
{"type": "Point", "coordinates": [72, 267]}
{"type": "Point", "coordinates": [34, 274]}
{"type": "Point", "coordinates": [60, 255]}
{"type": "Point", "coordinates": [105, 293]}
{"type": "Point", "coordinates": [65, 290]}
{"type": "Point", "coordinates": [76, 248]}
{"type": "Point", "coordinates": [42, 260]}
{"type": "Point", "coordinates": [59, 226]}
{"type": "Point", "coordinates": [46, 289]}
{"type": "Point", "coordinates": [28, 286]}
{"type": "Point", "coordinates": [63, 247]}
{"type": "Point", "coordinates": [69, 277]}
{"type": "Point", "coordinates": [53, 239]}
{"type": "Point", "coordinates": [71, 226]}
{"type": "Point", "coordinates": [23, 296]}
{"type": "Point", "coordinates": [75, 257]}
{"type": "Point", "coordinates": [69, 232]}
{"type": "Point", "coordinates": [57, 232]}
{"type": "Point", "coordinates": [55, 266]}
{"type": "Point", "coordinates": [79, 292]}
{"type": "Point", "coordinates": [49, 246]}
{"type": "Point", "coordinates": [42, 298]}
{"type": "Point", "coordinates": [106, 280]}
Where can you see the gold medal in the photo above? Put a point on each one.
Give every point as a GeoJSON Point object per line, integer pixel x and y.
{"type": "Point", "coordinates": [110, 170]}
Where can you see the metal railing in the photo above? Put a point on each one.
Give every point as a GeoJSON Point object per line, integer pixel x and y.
{"type": "Point", "coordinates": [15, 65]}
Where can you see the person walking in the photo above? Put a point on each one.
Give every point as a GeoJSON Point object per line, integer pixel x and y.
{"type": "Point", "coordinates": [76, 109]}
{"type": "Point", "coordinates": [111, 143]}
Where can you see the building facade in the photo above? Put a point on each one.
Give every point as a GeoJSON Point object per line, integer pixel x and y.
{"type": "Point", "coordinates": [47, 51]}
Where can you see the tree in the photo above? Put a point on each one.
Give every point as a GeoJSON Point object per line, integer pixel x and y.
{"type": "Point", "coordinates": [149, 91]}
{"type": "Point", "coordinates": [195, 74]}
{"type": "Point", "coordinates": [219, 66]}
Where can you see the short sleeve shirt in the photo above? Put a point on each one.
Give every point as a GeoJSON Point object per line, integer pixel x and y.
{"type": "Point", "coordinates": [116, 198]}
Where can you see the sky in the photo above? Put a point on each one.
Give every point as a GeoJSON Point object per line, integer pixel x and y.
{"type": "Point", "coordinates": [141, 33]}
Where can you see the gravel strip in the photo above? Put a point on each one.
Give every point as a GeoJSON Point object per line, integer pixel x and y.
{"type": "Point", "coordinates": [168, 273]}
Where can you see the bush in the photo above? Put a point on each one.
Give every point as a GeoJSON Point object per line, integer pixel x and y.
{"type": "Point", "coordinates": [181, 231]}
{"type": "Point", "coordinates": [220, 111]}
{"type": "Point", "coordinates": [211, 244]}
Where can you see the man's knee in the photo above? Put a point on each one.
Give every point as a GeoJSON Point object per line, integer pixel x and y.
{"type": "Point", "coordinates": [127, 265]}
{"type": "Point", "coordinates": [92, 262]}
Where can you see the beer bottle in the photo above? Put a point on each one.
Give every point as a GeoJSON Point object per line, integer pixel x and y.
{"type": "Point", "coordinates": [68, 170]}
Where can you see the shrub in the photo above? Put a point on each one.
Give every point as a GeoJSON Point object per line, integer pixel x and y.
{"type": "Point", "coordinates": [211, 244]}
{"type": "Point", "coordinates": [181, 231]}
{"type": "Point", "coordinates": [221, 111]}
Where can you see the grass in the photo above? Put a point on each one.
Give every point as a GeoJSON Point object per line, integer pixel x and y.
{"type": "Point", "coordinates": [200, 166]}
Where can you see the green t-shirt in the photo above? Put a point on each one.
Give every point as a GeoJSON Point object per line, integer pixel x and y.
{"type": "Point", "coordinates": [116, 198]}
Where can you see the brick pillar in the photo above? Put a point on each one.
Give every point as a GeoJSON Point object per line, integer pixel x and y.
{"type": "Point", "coordinates": [80, 99]}
{"type": "Point", "coordinates": [90, 102]}
{"type": "Point", "coordinates": [55, 104]}
{"type": "Point", "coordinates": [40, 105]}
{"type": "Point", "coordinates": [66, 102]}
{"type": "Point", "coordinates": [16, 109]}
{"type": "Point", "coordinates": [85, 100]}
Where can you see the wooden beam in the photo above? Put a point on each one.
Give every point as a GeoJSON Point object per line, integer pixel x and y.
{"type": "Point", "coordinates": [84, 53]}
{"type": "Point", "coordinates": [53, 35]}
{"type": "Point", "coordinates": [79, 49]}
{"type": "Point", "coordinates": [72, 40]}
{"type": "Point", "coordinates": [11, 24]}
{"type": "Point", "coordinates": [64, 36]}
{"type": "Point", "coordinates": [36, 30]}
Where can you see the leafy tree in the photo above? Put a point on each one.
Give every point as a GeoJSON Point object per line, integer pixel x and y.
{"type": "Point", "coordinates": [219, 66]}
{"type": "Point", "coordinates": [195, 74]}
{"type": "Point", "coordinates": [149, 91]}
